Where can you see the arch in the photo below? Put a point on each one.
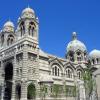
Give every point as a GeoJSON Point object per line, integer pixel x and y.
{"type": "Point", "coordinates": [69, 65]}
{"type": "Point", "coordinates": [85, 55]}
{"type": "Point", "coordinates": [79, 73]}
{"type": "Point", "coordinates": [97, 60]}
{"type": "Point", "coordinates": [8, 81]}
{"type": "Point", "coordinates": [22, 28]}
{"type": "Point", "coordinates": [69, 72]}
{"type": "Point", "coordinates": [31, 28]}
{"type": "Point", "coordinates": [56, 70]}
{"type": "Point", "coordinates": [2, 39]}
{"type": "Point", "coordinates": [31, 91]}
{"type": "Point", "coordinates": [93, 61]}
{"type": "Point", "coordinates": [71, 55]}
{"type": "Point", "coordinates": [18, 91]}
{"type": "Point", "coordinates": [9, 71]}
{"type": "Point", "coordinates": [79, 55]}
{"type": "Point", "coordinates": [10, 39]}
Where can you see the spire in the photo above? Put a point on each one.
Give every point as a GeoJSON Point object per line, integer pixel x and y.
{"type": "Point", "coordinates": [74, 36]}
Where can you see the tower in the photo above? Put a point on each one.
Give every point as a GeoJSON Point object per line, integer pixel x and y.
{"type": "Point", "coordinates": [76, 50]}
{"type": "Point", "coordinates": [28, 26]}
{"type": "Point", "coordinates": [7, 34]}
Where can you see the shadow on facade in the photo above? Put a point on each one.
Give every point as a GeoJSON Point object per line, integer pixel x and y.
{"type": "Point", "coordinates": [8, 81]}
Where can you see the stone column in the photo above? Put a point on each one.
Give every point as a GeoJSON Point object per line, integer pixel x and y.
{"type": "Point", "coordinates": [2, 80]}
{"type": "Point", "coordinates": [82, 90]}
{"type": "Point", "coordinates": [76, 85]}
{"type": "Point", "coordinates": [13, 91]}
{"type": "Point", "coordinates": [2, 92]}
{"type": "Point", "coordinates": [26, 28]}
{"type": "Point", "coordinates": [14, 78]}
{"type": "Point", "coordinates": [24, 90]}
{"type": "Point", "coordinates": [37, 91]}
{"type": "Point", "coordinates": [37, 75]}
{"type": "Point", "coordinates": [24, 73]}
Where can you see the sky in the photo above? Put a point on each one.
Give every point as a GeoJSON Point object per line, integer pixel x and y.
{"type": "Point", "coordinates": [57, 20]}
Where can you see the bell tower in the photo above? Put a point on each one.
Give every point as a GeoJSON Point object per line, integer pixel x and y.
{"type": "Point", "coordinates": [28, 25]}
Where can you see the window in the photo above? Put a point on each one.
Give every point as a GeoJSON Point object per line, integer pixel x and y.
{"type": "Point", "coordinates": [10, 40]}
{"type": "Point", "coordinates": [78, 53]}
{"type": "Point", "coordinates": [22, 28]}
{"type": "Point", "coordinates": [93, 61]}
{"type": "Point", "coordinates": [2, 39]}
{"type": "Point", "coordinates": [79, 56]}
{"type": "Point", "coordinates": [97, 60]}
{"type": "Point", "coordinates": [79, 74]}
{"type": "Point", "coordinates": [56, 70]}
{"type": "Point", "coordinates": [31, 28]}
{"type": "Point", "coordinates": [71, 55]}
{"type": "Point", "coordinates": [69, 73]}
{"type": "Point", "coordinates": [79, 59]}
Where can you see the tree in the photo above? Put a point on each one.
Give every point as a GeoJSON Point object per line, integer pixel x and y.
{"type": "Point", "coordinates": [31, 92]}
{"type": "Point", "coordinates": [70, 91]}
{"type": "Point", "coordinates": [74, 91]}
{"type": "Point", "coordinates": [88, 82]}
{"type": "Point", "coordinates": [56, 90]}
{"type": "Point", "coordinates": [43, 91]}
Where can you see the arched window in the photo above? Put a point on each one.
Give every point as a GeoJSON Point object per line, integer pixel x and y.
{"type": "Point", "coordinates": [22, 28]}
{"type": "Point", "coordinates": [71, 56]}
{"type": "Point", "coordinates": [2, 39]}
{"type": "Point", "coordinates": [31, 28]}
{"type": "Point", "coordinates": [79, 56]}
{"type": "Point", "coordinates": [97, 60]}
{"type": "Point", "coordinates": [85, 56]}
{"type": "Point", "coordinates": [56, 71]}
{"type": "Point", "coordinates": [10, 40]}
{"type": "Point", "coordinates": [93, 61]}
{"type": "Point", "coordinates": [79, 74]}
{"type": "Point", "coordinates": [8, 81]}
{"type": "Point", "coordinates": [69, 73]}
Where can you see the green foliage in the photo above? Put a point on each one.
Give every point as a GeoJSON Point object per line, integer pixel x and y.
{"type": "Point", "coordinates": [70, 91]}
{"type": "Point", "coordinates": [31, 91]}
{"type": "Point", "coordinates": [88, 81]}
{"type": "Point", "coordinates": [43, 91]}
{"type": "Point", "coordinates": [57, 90]}
{"type": "Point", "coordinates": [74, 91]}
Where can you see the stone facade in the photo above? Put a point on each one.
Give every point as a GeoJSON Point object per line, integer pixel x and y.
{"type": "Point", "coordinates": [26, 71]}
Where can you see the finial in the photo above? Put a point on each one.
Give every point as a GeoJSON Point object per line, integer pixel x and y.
{"type": "Point", "coordinates": [74, 35]}
{"type": "Point", "coordinates": [28, 6]}
{"type": "Point", "coordinates": [9, 20]}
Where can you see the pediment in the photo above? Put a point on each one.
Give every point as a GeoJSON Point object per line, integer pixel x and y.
{"type": "Point", "coordinates": [69, 64]}
{"type": "Point", "coordinates": [55, 60]}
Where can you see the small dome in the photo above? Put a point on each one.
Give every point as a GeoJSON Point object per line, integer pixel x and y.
{"type": "Point", "coordinates": [94, 54]}
{"type": "Point", "coordinates": [28, 13]}
{"type": "Point", "coordinates": [76, 44]}
{"type": "Point", "coordinates": [8, 27]}
{"type": "Point", "coordinates": [29, 10]}
{"type": "Point", "coordinates": [9, 24]}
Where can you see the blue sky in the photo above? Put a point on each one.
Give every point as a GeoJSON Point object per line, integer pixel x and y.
{"type": "Point", "coordinates": [58, 19]}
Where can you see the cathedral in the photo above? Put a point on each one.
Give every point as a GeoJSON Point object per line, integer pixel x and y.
{"type": "Point", "coordinates": [28, 73]}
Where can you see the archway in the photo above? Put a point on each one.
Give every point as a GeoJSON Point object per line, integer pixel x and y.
{"type": "Point", "coordinates": [31, 92]}
{"type": "Point", "coordinates": [18, 92]}
{"type": "Point", "coordinates": [8, 81]}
